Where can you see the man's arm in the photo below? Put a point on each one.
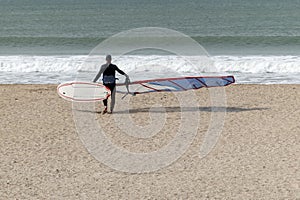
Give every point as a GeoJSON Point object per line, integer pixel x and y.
{"type": "Point", "coordinates": [99, 74]}
{"type": "Point", "coordinates": [121, 72]}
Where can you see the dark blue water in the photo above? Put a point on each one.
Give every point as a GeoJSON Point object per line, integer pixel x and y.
{"type": "Point", "coordinates": [222, 27]}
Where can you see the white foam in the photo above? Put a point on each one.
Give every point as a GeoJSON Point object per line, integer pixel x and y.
{"type": "Point", "coordinates": [258, 64]}
{"type": "Point", "coordinates": [54, 69]}
{"type": "Point", "coordinates": [246, 64]}
{"type": "Point", "coordinates": [40, 63]}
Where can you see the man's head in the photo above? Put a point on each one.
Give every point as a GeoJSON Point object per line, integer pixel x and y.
{"type": "Point", "coordinates": [108, 58]}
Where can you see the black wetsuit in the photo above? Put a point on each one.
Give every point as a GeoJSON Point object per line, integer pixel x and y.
{"type": "Point", "coordinates": [109, 80]}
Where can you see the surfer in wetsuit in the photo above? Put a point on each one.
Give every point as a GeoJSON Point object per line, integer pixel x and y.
{"type": "Point", "coordinates": [109, 80]}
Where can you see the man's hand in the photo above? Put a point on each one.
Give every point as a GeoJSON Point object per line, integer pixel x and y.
{"type": "Point", "coordinates": [127, 80]}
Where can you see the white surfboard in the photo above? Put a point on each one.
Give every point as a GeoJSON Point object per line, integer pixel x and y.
{"type": "Point", "coordinates": [83, 91]}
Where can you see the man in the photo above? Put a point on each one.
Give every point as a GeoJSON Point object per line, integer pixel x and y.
{"type": "Point", "coordinates": [109, 80]}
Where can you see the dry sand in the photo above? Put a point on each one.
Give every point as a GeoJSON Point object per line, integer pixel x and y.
{"type": "Point", "coordinates": [256, 157]}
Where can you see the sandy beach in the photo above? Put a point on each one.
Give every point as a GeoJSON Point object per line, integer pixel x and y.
{"type": "Point", "coordinates": [256, 156]}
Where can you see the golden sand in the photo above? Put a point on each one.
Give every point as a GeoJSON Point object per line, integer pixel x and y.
{"type": "Point", "coordinates": [256, 156]}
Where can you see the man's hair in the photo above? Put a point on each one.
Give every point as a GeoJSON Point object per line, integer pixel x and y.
{"type": "Point", "coordinates": [108, 57]}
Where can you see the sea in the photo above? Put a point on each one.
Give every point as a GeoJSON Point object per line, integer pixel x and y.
{"type": "Point", "coordinates": [50, 42]}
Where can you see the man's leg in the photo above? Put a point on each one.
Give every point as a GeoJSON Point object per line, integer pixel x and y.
{"type": "Point", "coordinates": [113, 98]}
{"type": "Point", "coordinates": [105, 106]}
{"type": "Point", "coordinates": [105, 103]}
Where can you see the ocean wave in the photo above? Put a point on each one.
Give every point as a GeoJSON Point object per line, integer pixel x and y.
{"type": "Point", "coordinates": [14, 41]}
{"type": "Point", "coordinates": [40, 63]}
{"type": "Point", "coordinates": [249, 40]}
{"type": "Point", "coordinates": [162, 64]}
{"type": "Point", "coordinates": [258, 64]}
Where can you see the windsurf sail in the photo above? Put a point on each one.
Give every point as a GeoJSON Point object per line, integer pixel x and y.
{"type": "Point", "coordinates": [174, 84]}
